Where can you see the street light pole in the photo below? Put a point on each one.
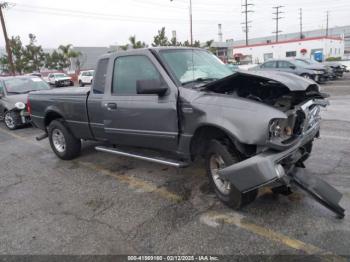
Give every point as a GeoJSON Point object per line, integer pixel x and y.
{"type": "Point", "coordinates": [191, 23]}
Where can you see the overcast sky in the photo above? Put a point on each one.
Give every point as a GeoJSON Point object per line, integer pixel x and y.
{"type": "Point", "coordinates": [104, 23]}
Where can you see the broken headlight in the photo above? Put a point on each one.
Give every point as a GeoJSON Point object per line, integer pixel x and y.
{"type": "Point", "coordinates": [280, 129]}
{"type": "Point", "coordinates": [20, 105]}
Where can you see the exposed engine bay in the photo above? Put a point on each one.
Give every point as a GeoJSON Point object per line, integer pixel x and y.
{"type": "Point", "coordinates": [267, 91]}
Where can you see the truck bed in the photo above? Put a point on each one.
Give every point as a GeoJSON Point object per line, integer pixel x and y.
{"type": "Point", "coordinates": [70, 103]}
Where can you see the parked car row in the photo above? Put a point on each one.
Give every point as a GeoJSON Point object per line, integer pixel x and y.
{"type": "Point", "coordinates": [306, 68]}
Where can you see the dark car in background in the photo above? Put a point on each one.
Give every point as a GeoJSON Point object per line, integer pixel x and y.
{"type": "Point", "coordinates": [13, 98]}
{"type": "Point", "coordinates": [296, 67]}
{"type": "Point", "coordinates": [338, 68]}
{"type": "Point", "coordinates": [329, 72]}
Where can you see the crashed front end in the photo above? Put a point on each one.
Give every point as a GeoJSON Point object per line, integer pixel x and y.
{"type": "Point", "coordinates": [289, 141]}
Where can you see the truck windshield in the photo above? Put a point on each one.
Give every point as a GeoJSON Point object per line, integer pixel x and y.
{"type": "Point", "coordinates": [191, 65]}
{"type": "Point", "coordinates": [24, 85]}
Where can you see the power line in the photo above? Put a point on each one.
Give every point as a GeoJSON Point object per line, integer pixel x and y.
{"type": "Point", "coordinates": [246, 22]}
{"type": "Point", "coordinates": [277, 18]}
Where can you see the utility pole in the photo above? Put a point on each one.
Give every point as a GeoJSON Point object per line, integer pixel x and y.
{"type": "Point", "coordinates": [191, 22]}
{"type": "Point", "coordinates": [327, 24]}
{"type": "Point", "coordinates": [246, 22]}
{"type": "Point", "coordinates": [4, 5]}
{"type": "Point", "coordinates": [277, 18]}
{"type": "Point", "coordinates": [301, 22]}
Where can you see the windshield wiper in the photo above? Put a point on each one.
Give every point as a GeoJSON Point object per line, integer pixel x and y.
{"type": "Point", "coordinates": [200, 80]}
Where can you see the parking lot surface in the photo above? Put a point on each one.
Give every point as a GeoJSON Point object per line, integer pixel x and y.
{"type": "Point", "coordinates": [104, 204]}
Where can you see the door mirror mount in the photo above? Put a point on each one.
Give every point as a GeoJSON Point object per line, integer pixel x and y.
{"type": "Point", "coordinates": [151, 86]}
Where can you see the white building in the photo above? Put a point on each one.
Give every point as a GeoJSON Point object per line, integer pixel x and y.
{"type": "Point", "coordinates": [258, 53]}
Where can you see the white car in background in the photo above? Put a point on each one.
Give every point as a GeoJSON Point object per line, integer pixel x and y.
{"type": "Point", "coordinates": [60, 80]}
{"type": "Point", "coordinates": [86, 77]}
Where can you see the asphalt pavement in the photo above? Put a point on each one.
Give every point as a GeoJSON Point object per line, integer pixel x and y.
{"type": "Point", "coordinates": [104, 204]}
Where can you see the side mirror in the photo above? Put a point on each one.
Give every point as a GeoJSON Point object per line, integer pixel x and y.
{"type": "Point", "coordinates": [150, 86]}
{"type": "Point", "coordinates": [292, 67]}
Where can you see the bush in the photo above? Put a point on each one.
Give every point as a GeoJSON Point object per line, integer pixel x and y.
{"type": "Point", "coordinates": [332, 59]}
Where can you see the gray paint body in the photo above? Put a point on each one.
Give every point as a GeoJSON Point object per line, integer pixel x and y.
{"type": "Point", "coordinates": [169, 122]}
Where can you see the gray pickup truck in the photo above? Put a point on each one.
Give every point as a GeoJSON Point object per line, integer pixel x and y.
{"type": "Point", "coordinates": [253, 129]}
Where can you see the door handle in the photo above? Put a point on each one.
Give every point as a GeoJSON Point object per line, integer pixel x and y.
{"type": "Point", "coordinates": [111, 106]}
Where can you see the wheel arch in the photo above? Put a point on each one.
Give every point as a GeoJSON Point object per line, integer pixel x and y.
{"type": "Point", "coordinates": [50, 116]}
{"type": "Point", "coordinates": [207, 132]}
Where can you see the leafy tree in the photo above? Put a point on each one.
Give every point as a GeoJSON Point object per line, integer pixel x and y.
{"type": "Point", "coordinates": [208, 44]}
{"type": "Point", "coordinates": [196, 43]}
{"type": "Point", "coordinates": [186, 43]}
{"type": "Point", "coordinates": [34, 55]}
{"type": "Point", "coordinates": [136, 44]}
{"type": "Point", "coordinates": [17, 55]}
{"type": "Point", "coordinates": [161, 39]}
{"type": "Point", "coordinates": [56, 60]}
{"type": "Point", "coordinates": [174, 42]}
{"type": "Point", "coordinates": [68, 54]}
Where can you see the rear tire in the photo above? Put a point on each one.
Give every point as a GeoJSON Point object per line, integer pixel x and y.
{"type": "Point", "coordinates": [62, 141]}
{"type": "Point", "coordinates": [81, 83]}
{"type": "Point", "coordinates": [220, 155]}
{"type": "Point", "coordinates": [12, 120]}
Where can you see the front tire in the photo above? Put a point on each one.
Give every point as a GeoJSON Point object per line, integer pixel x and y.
{"type": "Point", "coordinates": [62, 141]}
{"type": "Point", "coordinates": [218, 156]}
{"type": "Point", "coordinates": [12, 120]}
{"type": "Point", "coordinates": [81, 83]}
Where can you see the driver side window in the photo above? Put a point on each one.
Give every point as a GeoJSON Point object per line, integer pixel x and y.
{"type": "Point", "coordinates": [130, 69]}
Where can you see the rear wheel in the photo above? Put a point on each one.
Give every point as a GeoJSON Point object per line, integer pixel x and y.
{"type": "Point", "coordinates": [218, 156]}
{"type": "Point", "coordinates": [81, 83]}
{"type": "Point", "coordinates": [12, 120]}
{"type": "Point", "coordinates": [62, 141]}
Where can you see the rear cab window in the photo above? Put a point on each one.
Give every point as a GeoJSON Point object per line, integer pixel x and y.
{"type": "Point", "coordinates": [100, 77]}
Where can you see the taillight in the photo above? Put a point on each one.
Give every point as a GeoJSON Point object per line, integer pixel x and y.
{"type": "Point", "coordinates": [29, 109]}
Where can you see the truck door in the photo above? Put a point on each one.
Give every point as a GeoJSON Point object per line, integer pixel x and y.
{"type": "Point", "coordinates": [137, 119]}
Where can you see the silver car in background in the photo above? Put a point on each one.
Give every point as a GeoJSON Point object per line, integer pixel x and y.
{"type": "Point", "coordinates": [13, 98]}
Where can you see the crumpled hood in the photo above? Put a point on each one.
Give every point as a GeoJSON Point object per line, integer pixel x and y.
{"type": "Point", "coordinates": [291, 81]}
{"type": "Point", "coordinates": [13, 99]}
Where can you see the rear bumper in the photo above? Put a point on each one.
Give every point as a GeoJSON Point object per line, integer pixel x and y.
{"type": "Point", "coordinates": [266, 167]}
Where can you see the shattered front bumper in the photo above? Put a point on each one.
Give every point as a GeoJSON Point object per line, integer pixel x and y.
{"type": "Point", "coordinates": [267, 168]}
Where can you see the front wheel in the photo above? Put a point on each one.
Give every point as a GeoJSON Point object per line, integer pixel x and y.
{"type": "Point", "coordinates": [12, 120]}
{"type": "Point", "coordinates": [218, 156]}
{"type": "Point", "coordinates": [81, 83]}
{"type": "Point", "coordinates": [62, 141]}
